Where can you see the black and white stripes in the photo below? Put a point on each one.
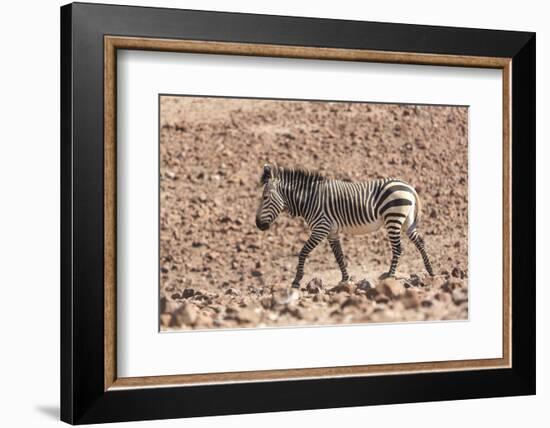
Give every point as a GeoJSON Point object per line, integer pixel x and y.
{"type": "Point", "coordinates": [331, 207]}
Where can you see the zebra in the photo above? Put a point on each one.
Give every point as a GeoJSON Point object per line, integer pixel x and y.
{"type": "Point", "coordinates": [331, 207]}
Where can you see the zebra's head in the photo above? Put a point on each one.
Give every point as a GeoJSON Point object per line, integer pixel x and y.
{"type": "Point", "coordinates": [272, 202]}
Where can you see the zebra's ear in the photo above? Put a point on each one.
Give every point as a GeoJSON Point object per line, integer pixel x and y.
{"type": "Point", "coordinates": [267, 174]}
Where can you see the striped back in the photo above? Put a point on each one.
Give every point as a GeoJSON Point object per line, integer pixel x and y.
{"type": "Point", "coordinates": [345, 204]}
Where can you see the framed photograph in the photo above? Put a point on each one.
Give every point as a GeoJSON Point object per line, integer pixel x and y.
{"type": "Point", "coordinates": [265, 213]}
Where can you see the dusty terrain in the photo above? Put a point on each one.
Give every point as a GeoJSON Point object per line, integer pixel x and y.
{"type": "Point", "coordinates": [217, 270]}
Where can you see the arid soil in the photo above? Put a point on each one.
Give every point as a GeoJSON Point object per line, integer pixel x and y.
{"type": "Point", "coordinates": [217, 270]}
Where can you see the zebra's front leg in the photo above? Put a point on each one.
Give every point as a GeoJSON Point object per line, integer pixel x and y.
{"type": "Point", "coordinates": [316, 237]}
{"type": "Point", "coordinates": [334, 242]}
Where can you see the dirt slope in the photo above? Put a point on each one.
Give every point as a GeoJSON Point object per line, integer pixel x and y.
{"type": "Point", "coordinates": [219, 270]}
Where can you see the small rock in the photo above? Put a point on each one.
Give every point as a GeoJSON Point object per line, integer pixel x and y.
{"type": "Point", "coordinates": [434, 281]}
{"type": "Point", "coordinates": [381, 298]}
{"type": "Point", "coordinates": [410, 299]}
{"type": "Point", "coordinates": [204, 321]}
{"type": "Point", "coordinates": [414, 281]}
{"type": "Point", "coordinates": [266, 302]}
{"type": "Point", "coordinates": [344, 287]}
{"type": "Point", "coordinates": [225, 219]}
{"type": "Point", "coordinates": [162, 306]}
{"type": "Point", "coordinates": [391, 288]}
{"type": "Point", "coordinates": [397, 306]}
{"type": "Point", "coordinates": [442, 297]}
{"type": "Point", "coordinates": [294, 310]}
{"type": "Point", "coordinates": [338, 299]}
{"type": "Point", "coordinates": [364, 285]}
{"type": "Point", "coordinates": [459, 296]}
{"type": "Point", "coordinates": [351, 301]}
{"type": "Point", "coordinates": [314, 286]}
{"type": "Point", "coordinates": [452, 284]}
{"type": "Point", "coordinates": [231, 309]}
{"type": "Point", "coordinates": [171, 306]}
{"type": "Point", "coordinates": [336, 312]}
{"type": "Point", "coordinates": [232, 292]}
{"type": "Point", "coordinates": [170, 287]}
{"type": "Point", "coordinates": [245, 301]}
{"type": "Point", "coordinates": [216, 308]}
{"type": "Point", "coordinates": [423, 145]}
{"type": "Point", "coordinates": [165, 319]}
{"type": "Point", "coordinates": [372, 293]}
{"type": "Point", "coordinates": [187, 315]}
{"type": "Point", "coordinates": [256, 273]}
{"type": "Point", "coordinates": [273, 316]}
{"type": "Point", "coordinates": [187, 293]}
{"type": "Point", "coordinates": [457, 273]}
{"type": "Point", "coordinates": [285, 295]}
{"type": "Point", "coordinates": [249, 315]}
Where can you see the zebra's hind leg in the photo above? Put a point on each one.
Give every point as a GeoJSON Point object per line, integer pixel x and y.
{"type": "Point", "coordinates": [417, 240]}
{"type": "Point", "coordinates": [334, 242]}
{"type": "Point", "coordinates": [393, 226]}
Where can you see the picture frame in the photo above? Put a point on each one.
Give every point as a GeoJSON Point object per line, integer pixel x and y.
{"type": "Point", "coordinates": [91, 390]}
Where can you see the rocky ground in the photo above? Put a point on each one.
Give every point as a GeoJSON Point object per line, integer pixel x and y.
{"type": "Point", "coordinates": [219, 271]}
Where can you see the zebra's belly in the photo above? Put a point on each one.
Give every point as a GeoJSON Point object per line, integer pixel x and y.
{"type": "Point", "coordinates": [362, 229]}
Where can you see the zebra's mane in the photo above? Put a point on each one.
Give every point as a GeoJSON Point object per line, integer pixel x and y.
{"type": "Point", "coordinates": [284, 173]}
{"type": "Point", "coordinates": [300, 174]}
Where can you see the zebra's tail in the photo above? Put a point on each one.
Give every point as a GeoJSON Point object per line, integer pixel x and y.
{"type": "Point", "coordinates": [417, 211]}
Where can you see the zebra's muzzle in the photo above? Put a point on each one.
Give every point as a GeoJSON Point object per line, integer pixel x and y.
{"type": "Point", "coordinates": [261, 226]}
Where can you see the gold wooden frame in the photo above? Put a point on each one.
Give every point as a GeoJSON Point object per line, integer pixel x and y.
{"type": "Point", "coordinates": [113, 43]}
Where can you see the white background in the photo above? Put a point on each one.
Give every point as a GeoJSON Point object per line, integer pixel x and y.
{"type": "Point", "coordinates": [142, 351]}
{"type": "Point", "coordinates": [29, 226]}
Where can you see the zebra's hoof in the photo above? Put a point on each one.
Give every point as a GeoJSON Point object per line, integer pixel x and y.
{"type": "Point", "coordinates": [385, 275]}
{"type": "Point", "coordinates": [295, 285]}
{"type": "Point", "coordinates": [344, 281]}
